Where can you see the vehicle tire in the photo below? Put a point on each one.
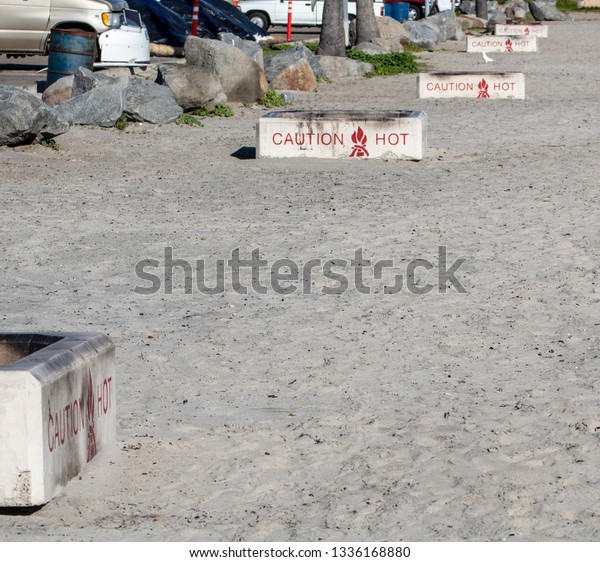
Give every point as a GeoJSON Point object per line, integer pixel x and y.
{"type": "Point", "coordinates": [414, 12]}
{"type": "Point", "coordinates": [260, 19]}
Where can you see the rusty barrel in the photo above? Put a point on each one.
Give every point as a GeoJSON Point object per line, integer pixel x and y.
{"type": "Point", "coordinates": [69, 49]}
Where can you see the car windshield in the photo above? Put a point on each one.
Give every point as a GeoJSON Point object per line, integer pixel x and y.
{"type": "Point", "coordinates": [132, 18]}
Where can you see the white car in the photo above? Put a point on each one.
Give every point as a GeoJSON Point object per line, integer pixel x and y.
{"type": "Point", "coordinates": [265, 13]}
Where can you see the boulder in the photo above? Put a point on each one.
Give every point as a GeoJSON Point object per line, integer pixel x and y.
{"type": "Point", "coordinates": [393, 45]}
{"type": "Point", "coordinates": [370, 49]}
{"type": "Point", "coordinates": [449, 27]}
{"type": "Point", "coordinates": [242, 79]}
{"type": "Point", "coordinates": [101, 106]}
{"type": "Point", "coordinates": [467, 7]}
{"type": "Point", "coordinates": [84, 80]}
{"type": "Point", "coordinates": [24, 118]}
{"type": "Point", "coordinates": [298, 76]}
{"type": "Point", "coordinates": [511, 7]}
{"type": "Point", "coordinates": [191, 86]}
{"type": "Point", "coordinates": [58, 91]}
{"type": "Point", "coordinates": [249, 48]}
{"type": "Point", "coordinates": [147, 102]}
{"type": "Point", "coordinates": [495, 18]}
{"type": "Point", "coordinates": [341, 67]}
{"type": "Point", "coordinates": [389, 28]}
{"type": "Point", "coordinates": [275, 64]}
{"type": "Point", "coordinates": [422, 35]}
{"type": "Point", "coordinates": [543, 10]}
{"type": "Point", "coordinates": [472, 21]}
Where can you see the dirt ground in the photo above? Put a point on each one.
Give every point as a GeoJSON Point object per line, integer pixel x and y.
{"type": "Point", "coordinates": [317, 417]}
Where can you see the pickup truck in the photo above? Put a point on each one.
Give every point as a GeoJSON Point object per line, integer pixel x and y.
{"type": "Point", "coordinates": [25, 27]}
{"type": "Point", "coordinates": [265, 13]}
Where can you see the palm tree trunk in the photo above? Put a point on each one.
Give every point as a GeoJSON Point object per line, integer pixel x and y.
{"type": "Point", "coordinates": [366, 24]}
{"type": "Point", "coordinates": [333, 40]}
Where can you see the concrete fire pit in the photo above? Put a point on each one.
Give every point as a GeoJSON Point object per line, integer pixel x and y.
{"type": "Point", "coordinates": [57, 410]}
{"type": "Point", "coordinates": [475, 85]}
{"type": "Point", "coordinates": [499, 44]}
{"type": "Point", "coordinates": [342, 134]}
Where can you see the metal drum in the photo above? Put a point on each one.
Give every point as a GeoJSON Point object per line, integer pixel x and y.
{"type": "Point", "coordinates": [70, 49]}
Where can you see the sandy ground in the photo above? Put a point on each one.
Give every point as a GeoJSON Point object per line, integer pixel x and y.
{"type": "Point", "coordinates": [316, 417]}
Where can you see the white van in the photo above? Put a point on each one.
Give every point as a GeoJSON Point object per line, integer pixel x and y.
{"type": "Point", "coordinates": [25, 27]}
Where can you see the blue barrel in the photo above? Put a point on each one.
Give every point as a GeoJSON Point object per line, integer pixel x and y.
{"type": "Point", "coordinates": [396, 10]}
{"type": "Point", "coordinates": [69, 49]}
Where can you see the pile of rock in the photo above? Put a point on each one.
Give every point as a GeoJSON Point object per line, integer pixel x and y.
{"type": "Point", "coordinates": [541, 10]}
{"type": "Point", "coordinates": [93, 98]}
{"type": "Point", "coordinates": [425, 33]}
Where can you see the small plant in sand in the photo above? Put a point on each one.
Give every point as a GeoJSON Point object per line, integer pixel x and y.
{"type": "Point", "coordinates": [272, 99]}
{"type": "Point", "coordinates": [121, 122]}
{"type": "Point", "coordinates": [388, 63]}
{"type": "Point", "coordinates": [50, 143]}
{"type": "Point", "coordinates": [220, 110]}
{"type": "Point", "coordinates": [190, 120]}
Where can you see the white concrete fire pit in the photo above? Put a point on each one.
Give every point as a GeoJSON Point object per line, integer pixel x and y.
{"type": "Point", "coordinates": [540, 31]}
{"type": "Point", "coordinates": [57, 410]}
{"type": "Point", "coordinates": [477, 85]}
{"type": "Point", "coordinates": [342, 134]}
{"type": "Point", "coordinates": [498, 44]}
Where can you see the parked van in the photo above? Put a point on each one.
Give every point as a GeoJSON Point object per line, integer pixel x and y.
{"type": "Point", "coordinates": [25, 27]}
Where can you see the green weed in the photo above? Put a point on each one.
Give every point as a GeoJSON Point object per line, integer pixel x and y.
{"type": "Point", "coordinates": [272, 99]}
{"type": "Point", "coordinates": [190, 120]}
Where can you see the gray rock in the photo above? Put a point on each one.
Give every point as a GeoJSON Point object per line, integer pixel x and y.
{"type": "Point", "coordinates": [467, 7]}
{"type": "Point", "coordinates": [297, 76]}
{"type": "Point", "coordinates": [546, 11]}
{"type": "Point", "coordinates": [101, 106]}
{"type": "Point", "coordinates": [84, 80]}
{"type": "Point", "coordinates": [389, 28]}
{"type": "Point", "coordinates": [191, 86]}
{"type": "Point", "coordinates": [340, 67]}
{"type": "Point", "coordinates": [249, 48]}
{"type": "Point", "coordinates": [367, 48]}
{"type": "Point", "coordinates": [393, 45]}
{"type": "Point", "coordinates": [513, 6]}
{"type": "Point", "coordinates": [288, 97]}
{"type": "Point", "coordinates": [493, 19]}
{"type": "Point", "coordinates": [450, 29]}
{"type": "Point", "coordinates": [422, 35]}
{"type": "Point", "coordinates": [58, 91]}
{"type": "Point", "coordinates": [147, 102]}
{"type": "Point", "coordinates": [521, 14]}
{"type": "Point", "coordinates": [242, 80]}
{"type": "Point", "coordinates": [24, 118]}
{"type": "Point", "coordinates": [275, 64]}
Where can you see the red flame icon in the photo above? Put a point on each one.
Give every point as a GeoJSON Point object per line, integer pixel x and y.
{"type": "Point", "coordinates": [483, 89]}
{"type": "Point", "coordinates": [526, 31]}
{"type": "Point", "coordinates": [91, 441]}
{"type": "Point", "coordinates": [509, 46]}
{"type": "Point", "coordinates": [360, 144]}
